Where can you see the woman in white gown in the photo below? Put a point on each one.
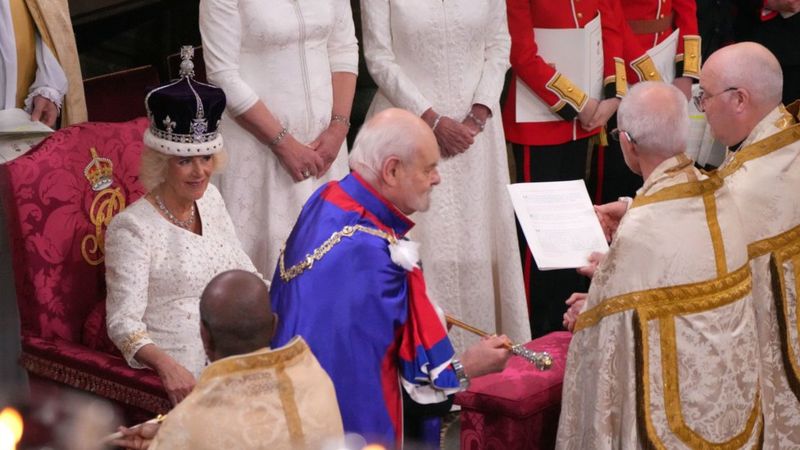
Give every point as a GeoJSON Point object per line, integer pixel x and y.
{"type": "Point", "coordinates": [446, 61]}
{"type": "Point", "coordinates": [163, 249]}
{"type": "Point", "coordinates": [288, 69]}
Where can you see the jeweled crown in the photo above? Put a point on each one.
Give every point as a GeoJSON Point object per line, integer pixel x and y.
{"type": "Point", "coordinates": [185, 114]}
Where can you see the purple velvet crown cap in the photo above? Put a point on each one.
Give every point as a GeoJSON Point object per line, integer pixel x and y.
{"type": "Point", "coordinates": [184, 115]}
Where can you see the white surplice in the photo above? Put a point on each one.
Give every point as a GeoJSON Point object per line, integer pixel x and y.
{"type": "Point", "coordinates": [282, 53]}
{"type": "Point", "coordinates": [764, 177]}
{"type": "Point", "coordinates": [449, 56]}
{"type": "Point", "coordinates": [665, 352]}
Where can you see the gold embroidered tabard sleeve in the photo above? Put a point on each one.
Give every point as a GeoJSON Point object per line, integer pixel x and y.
{"type": "Point", "coordinates": [688, 63]}
{"type": "Point", "coordinates": [571, 97]}
{"type": "Point", "coordinates": [616, 85]}
{"type": "Point", "coordinates": [645, 68]}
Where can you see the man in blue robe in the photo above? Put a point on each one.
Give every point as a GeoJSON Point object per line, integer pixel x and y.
{"type": "Point", "coordinates": [350, 283]}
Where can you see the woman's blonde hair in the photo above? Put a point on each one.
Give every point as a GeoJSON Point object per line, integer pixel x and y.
{"type": "Point", "coordinates": [153, 170]}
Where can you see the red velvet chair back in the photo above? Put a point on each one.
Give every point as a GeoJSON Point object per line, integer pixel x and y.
{"type": "Point", "coordinates": [59, 198]}
{"type": "Point", "coordinates": [119, 96]}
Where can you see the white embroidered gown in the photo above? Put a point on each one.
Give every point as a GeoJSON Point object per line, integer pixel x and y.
{"type": "Point", "coordinates": [155, 273]}
{"type": "Point", "coordinates": [450, 55]}
{"type": "Point", "coordinates": [281, 52]}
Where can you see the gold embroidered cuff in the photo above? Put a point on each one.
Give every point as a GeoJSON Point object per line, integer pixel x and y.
{"type": "Point", "coordinates": [691, 56]}
{"type": "Point", "coordinates": [645, 68]}
{"type": "Point", "coordinates": [567, 91]}
{"type": "Point", "coordinates": [622, 78]}
{"type": "Point", "coordinates": [132, 341]}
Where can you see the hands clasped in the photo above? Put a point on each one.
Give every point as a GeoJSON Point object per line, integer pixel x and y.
{"type": "Point", "coordinates": [312, 160]}
{"type": "Point", "coordinates": [454, 137]}
{"type": "Point", "coordinates": [596, 113]}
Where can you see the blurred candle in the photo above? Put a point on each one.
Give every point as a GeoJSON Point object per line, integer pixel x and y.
{"type": "Point", "coordinates": [10, 429]}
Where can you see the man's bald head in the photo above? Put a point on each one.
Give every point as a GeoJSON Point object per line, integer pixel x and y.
{"type": "Point", "coordinates": [742, 83]}
{"type": "Point", "coordinates": [750, 66]}
{"type": "Point", "coordinates": [656, 115]}
{"type": "Point", "coordinates": [392, 132]}
{"type": "Point", "coordinates": [236, 315]}
{"type": "Point", "coordinates": [397, 153]}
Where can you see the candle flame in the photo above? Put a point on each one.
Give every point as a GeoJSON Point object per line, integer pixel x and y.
{"type": "Point", "coordinates": [10, 428]}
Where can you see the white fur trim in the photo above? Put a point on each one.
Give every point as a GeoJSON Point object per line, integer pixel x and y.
{"type": "Point", "coordinates": [182, 149]}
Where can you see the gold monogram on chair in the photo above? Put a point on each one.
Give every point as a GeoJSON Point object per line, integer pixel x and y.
{"type": "Point", "coordinates": [107, 202]}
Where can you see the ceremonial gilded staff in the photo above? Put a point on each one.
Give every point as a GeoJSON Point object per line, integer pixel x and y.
{"type": "Point", "coordinates": [542, 360]}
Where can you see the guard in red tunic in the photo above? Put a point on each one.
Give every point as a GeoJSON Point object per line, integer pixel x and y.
{"type": "Point", "coordinates": [647, 23]}
{"type": "Point", "coordinates": [557, 150]}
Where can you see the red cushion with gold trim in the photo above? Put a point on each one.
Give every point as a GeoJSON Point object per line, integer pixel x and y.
{"type": "Point", "coordinates": [103, 374]}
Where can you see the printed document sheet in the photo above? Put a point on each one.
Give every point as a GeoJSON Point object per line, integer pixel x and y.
{"type": "Point", "coordinates": [18, 133]}
{"type": "Point", "coordinates": [559, 222]}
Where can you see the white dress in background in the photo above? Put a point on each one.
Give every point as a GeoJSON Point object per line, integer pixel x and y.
{"type": "Point", "coordinates": [155, 273]}
{"type": "Point", "coordinates": [450, 55]}
{"type": "Point", "coordinates": [281, 52]}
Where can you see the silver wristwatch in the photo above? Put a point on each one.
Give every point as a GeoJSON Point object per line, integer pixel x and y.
{"type": "Point", "coordinates": [463, 379]}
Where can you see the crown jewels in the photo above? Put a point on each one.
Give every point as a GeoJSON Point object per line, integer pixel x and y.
{"type": "Point", "coordinates": [99, 171]}
{"type": "Point", "coordinates": [187, 66]}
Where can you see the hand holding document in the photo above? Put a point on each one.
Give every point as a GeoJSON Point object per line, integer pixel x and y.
{"type": "Point", "coordinates": [559, 223]}
{"type": "Point", "coordinates": [18, 133]}
{"type": "Point", "coordinates": [575, 52]}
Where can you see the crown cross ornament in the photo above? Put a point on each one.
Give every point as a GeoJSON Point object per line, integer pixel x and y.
{"type": "Point", "coordinates": [99, 171]}
{"type": "Point", "coordinates": [187, 66]}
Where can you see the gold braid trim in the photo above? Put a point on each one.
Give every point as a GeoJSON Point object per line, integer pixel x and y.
{"type": "Point", "coordinates": [663, 305]}
{"type": "Point", "coordinates": [645, 68]}
{"type": "Point", "coordinates": [322, 250]}
{"type": "Point", "coordinates": [92, 383]}
{"type": "Point", "coordinates": [789, 238]}
{"type": "Point", "coordinates": [666, 301]}
{"type": "Point", "coordinates": [290, 410]}
{"type": "Point", "coordinates": [132, 341]}
{"type": "Point", "coordinates": [710, 203]}
{"type": "Point", "coordinates": [679, 191]}
{"type": "Point", "coordinates": [692, 56]}
{"type": "Point", "coordinates": [761, 148]}
{"type": "Point", "coordinates": [622, 78]}
{"type": "Point", "coordinates": [780, 286]}
{"type": "Point", "coordinates": [297, 348]}
{"type": "Point", "coordinates": [566, 91]}
{"type": "Point", "coordinates": [672, 398]}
